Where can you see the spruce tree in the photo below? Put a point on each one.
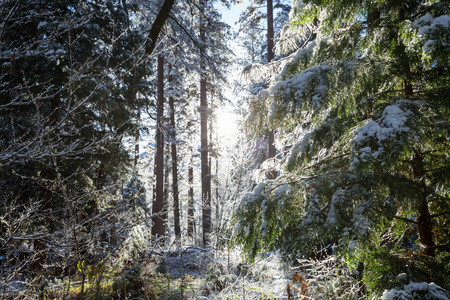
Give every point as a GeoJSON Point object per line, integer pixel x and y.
{"type": "Point", "coordinates": [361, 112]}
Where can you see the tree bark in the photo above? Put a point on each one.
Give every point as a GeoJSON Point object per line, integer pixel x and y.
{"type": "Point", "coordinates": [136, 142]}
{"type": "Point", "coordinates": [191, 224]}
{"type": "Point", "coordinates": [158, 24]}
{"type": "Point", "coordinates": [272, 174]}
{"type": "Point", "coordinates": [158, 200]}
{"type": "Point", "coordinates": [206, 177]}
{"type": "Point", "coordinates": [165, 211]}
{"type": "Point", "coordinates": [176, 201]}
{"type": "Point", "coordinates": [218, 206]}
{"type": "Point", "coordinates": [270, 34]}
{"type": "Point", "coordinates": [424, 221]}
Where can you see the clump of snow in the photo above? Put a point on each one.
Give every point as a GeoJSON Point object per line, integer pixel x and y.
{"type": "Point", "coordinates": [393, 121]}
{"type": "Point", "coordinates": [361, 224]}
{"type": "Point", "coordinates": [414, 289]}
{"type": "Point", "coordinates": [352, 244]}
{"type": "Point", "coordinates": [433, 30]}
{"type": "Point", "coordinates": [378, 133]}
{"type": "Point", "coordinates": [427, 23]}
{"type": "Point", "coordinates": [336, 201]}
{"type": "Point", "coordinates": [282, 190]}
{"type": "Point", "coordinates": [302, 55]}
{"type": "Point", "coordinates": [312, 214]}
{"type": "Point", "coordinates": [298, 7]}
{"type": "Point", "coordinates": [41, 25]}
{"type": "Point", "coordinates": [259, 188]}
{"type": "Point", "coordinates": [250, 197]}
{"type": "Point", "coordinates": [137, 241]}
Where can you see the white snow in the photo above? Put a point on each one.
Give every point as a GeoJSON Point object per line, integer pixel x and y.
{"type": "Point", "coordinates": [302, 54]}
{"type": "Point", "coordinates": [388, 128]}
{"type": "Point", "coordinates": [360, 223]}
{"type": "Point", "coordinates": [392, 122]}
{"type": "Point", "coordinates": [282, 190]}
{"type": "Point", "coordinates": [250, 197]}
{"type": "Point", "coordinates": [259, 188]}
{"type": "Point", "coordinates": [409, 290]}
{"type": "Point", "coordinates": [433, 30]}
{"type": "Point", "coordinates": [427, 23]}
{"type": "Point", "coordinates": [428, 45]}
{"type": "Point", "coordinates": [336, 201]}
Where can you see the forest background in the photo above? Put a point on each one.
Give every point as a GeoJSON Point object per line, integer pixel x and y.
{"type": "Point", "coordinates": [128, 140]}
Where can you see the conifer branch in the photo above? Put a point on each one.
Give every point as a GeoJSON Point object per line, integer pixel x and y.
{"type": "Point", "coordinates": [405, 219]}
{"type": "Point", "coordinates": [193, 39]}
{"type": "Point", "coordinates": [440, 214]}
{"type": "Point", "coordinates": [437, 169]}
{"type": "Point", "coordinates": [433, 247]}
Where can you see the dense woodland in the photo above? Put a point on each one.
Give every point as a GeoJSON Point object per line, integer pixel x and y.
{"type": "Point", "coordinates": [117, 180]}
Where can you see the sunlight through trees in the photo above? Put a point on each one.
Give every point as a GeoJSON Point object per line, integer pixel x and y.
{"type": "Point", "coordinates": [151, 150]}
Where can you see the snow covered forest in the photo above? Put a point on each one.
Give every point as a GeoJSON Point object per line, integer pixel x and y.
{"type": "Point", "coordinates": [155, 149]}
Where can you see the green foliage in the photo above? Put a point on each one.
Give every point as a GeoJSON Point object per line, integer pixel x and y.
{"type": "Point", "coordinates": [130, 284]}
{"type": "Point", "coordinates": [387, 270]}
{"type": "Point", "coordinates": [362, 117]}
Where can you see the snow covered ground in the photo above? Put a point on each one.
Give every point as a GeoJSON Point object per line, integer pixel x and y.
{"type": "Point", "coordinates": [225, 275]}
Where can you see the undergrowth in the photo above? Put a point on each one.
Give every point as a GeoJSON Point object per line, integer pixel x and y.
{"type": "Point", "coordinates": [197, 273]}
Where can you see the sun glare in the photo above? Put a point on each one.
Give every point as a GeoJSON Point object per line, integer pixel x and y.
{"type": "Point", "coordinates": [227, 125]}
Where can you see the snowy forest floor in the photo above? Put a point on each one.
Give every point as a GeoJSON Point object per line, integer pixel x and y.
{"type": "Point", "coordinates": [224, 275]}
{"type": "Point", "coordinates": [197, 273]}
{"type": "Point", "coordinates": [188, 273]}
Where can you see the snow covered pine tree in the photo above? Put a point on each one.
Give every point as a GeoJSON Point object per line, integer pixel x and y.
{"type": "Point", "coordinates": [361, 111]}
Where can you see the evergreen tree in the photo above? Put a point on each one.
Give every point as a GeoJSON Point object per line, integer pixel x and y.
{"type": "Point", "coordinates": [72, 74]}
{"type": "Point", "coordinates": [262, 18]}
{"type": "Point", "coordinates": [361, 112]}
{"type": "Point", "coordinates": [252, 20]}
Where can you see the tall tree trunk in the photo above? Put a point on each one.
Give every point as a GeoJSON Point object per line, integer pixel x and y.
{"type": "Point", "coordinates": [270, 54]}
{"type": "Point", "coordinates": [206, 177]}
{"type": "Point", "coordinates": [190, 217]}
{"type": "Point", "coordinates": [272, 174]}
{"type": "Point", "coordinates": [210, 157]}
{"type": "Point", "coordinates": [165, 211]}
{"type": "Point", "coordinates": [158, 200]}
{"type": "Point", "coordinates": [176, 201]}
{"type": "Point", "coordinates": [424, 222]}
{"type": "Point", "coordinates": [138, 112]}
{"type": "Point", "coordinates": [212, 154]}
{"type": "Point", "coordinates": [136, 142]}
{"type": "Point", "coordinates": [218, 207]}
